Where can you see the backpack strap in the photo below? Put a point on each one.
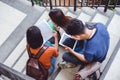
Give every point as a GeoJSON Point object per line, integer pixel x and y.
{"type": "Point", "coordinates": [37, 56]}
{"type": "Point", "coordinates": [39, 52]}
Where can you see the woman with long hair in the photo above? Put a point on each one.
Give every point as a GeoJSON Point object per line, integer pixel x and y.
{"type": "Point", "coordinates": [60, 21]}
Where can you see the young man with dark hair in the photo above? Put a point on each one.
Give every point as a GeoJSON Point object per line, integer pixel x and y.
{"type": "Point", "coordinates": [96, 43]}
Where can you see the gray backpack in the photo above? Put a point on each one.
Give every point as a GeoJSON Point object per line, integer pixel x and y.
{"type": "Point", "coordinates": [89, 72]}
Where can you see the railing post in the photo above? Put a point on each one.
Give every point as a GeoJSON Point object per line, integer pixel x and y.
{"type": "Point", "coordinates": [32, 1]}
{"type": "Point", "coordinates": [93, 3]}
{"type": "Point", "coordinates": [116, 1]}
{"type": "Point", "coordinates": [59, 2]}
{"type": "Point", "coordinates": [106, 5]}
{"type": "Point", "coordinates": [75, 4]}
{"type": "Point", "coordinates": [50, 4]}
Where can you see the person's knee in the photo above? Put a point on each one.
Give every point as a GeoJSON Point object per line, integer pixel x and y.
{"type": "Point", "coordinates": [65, 56]}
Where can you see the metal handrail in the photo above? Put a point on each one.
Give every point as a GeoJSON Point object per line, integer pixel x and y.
{"type": "Point", "coordinates": [13, 74]}
{"type": "Point", "coordinates": [116, 1]}
{"type": "Point", "coordinates": [106, 6]}
{"type": "Point", "coordinates": [76, 3]}
{"type": "Point", "coordinates": [50, 4]}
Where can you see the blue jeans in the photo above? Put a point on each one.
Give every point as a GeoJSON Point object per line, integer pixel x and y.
{"type": "Point", "coordinates": [48, 43]}
{"type": "Point", "coordinates": [52, 68]}
{"type": "Point", "coordinates": [53, 60]}
{"type": "Point", "coordinates": [68, 57]}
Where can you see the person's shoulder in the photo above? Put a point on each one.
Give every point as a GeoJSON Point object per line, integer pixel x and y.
{"type": "Point", "coordinates": [51, 48]}
{"type": "Point", "coordinates": [101, 25]}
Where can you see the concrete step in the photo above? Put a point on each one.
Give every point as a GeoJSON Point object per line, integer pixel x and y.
{"type": "Point", "coordinates": [77, 12]}
{"type": "Point", "coordinates": [64, 9]}
{"type": "Point", "coordinates": [113, 42]}
{"type": "Point", "coordinates": [17, 52]}
{"type": "Point", "coordinates": [113, 29]}
{"type": "Point", "coordinates": [71, 14]}
{"type": "Point", "coordinates": [9, 22]}
{"type": "Point", "coordinates": [16, 33]}
{"type": "Point", "coordinates": [44, 15]}
{"type": "Point", "coordinates": [17, 59]}
{"type": "Point", "coordinates": [67, 74]}
{"type": "Point", "coordinates": [89, 11]}
{"type": "Point", "coordinates": [109, 12]}
{"type": "Point", "coordinates": [21, 63]}
{"type": "Point", "coordinates": [114, 69]}
{"type": "Point", "coordinates": [84, 17]}
{"type": "Point", "coordinates": [2, 77]}
{"type": "Point", "coordinates": [117, 9]}
{"type": "Point", "coordinates": [100, 18]}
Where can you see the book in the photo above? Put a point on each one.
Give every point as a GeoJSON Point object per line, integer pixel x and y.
{"type": "Point", "coordinates": [45, 28]}
{"type": "Point", "coordinates": [52, 26]}
{"type": "Point", "coordinates": [66, 40]}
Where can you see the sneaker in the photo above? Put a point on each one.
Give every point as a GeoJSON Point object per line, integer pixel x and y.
{"type": "Point", "coordinates": [64, 65]}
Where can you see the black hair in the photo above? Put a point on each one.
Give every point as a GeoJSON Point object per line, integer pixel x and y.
{"type": "Point", "coordinates": [75, 27]}
{"type": "Point", "coordinates": [34, 37]}
{"type": "Point", "coordinates": [58, 17]}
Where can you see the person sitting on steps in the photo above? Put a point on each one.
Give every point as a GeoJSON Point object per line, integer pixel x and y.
{"type": "Point", "coordinates": [96, 43]}
{"type": "Point", "coordinates": [35, 42]}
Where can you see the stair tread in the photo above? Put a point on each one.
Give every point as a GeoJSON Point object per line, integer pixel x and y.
{"type": "Point", "coordinates": [117, 9]}
{"type": "Point", "coordinates": [89, 10]}
{"type": "Point", "coordinates": [84, 17]}
{"type": "Point", "coordinates": [9, 22]}
{"type": "Point", "coordinates": [71, 14]}
{"type": "Point", "coordinates": [113, 30]}
{"type": "Point", "coordinates": [100, 18]}
{"type": "Point", "coordinates": [113, 27]}
{"type": "Point", "coordinates": [64, 9]}
{"type": "Point", "coordinates": [114, 68]}
{"type": "Point", "coordinates": [2, 77]}
{"type": "Point", "coordinates": [67, 74]}
{"type": "Point", "coordinates": [21, 63]}
{"type": "Point", "coordinates": [77, 12]}
{"type": "Point", "coordinates": [16, 53]}
{"type": "Point", "coordinates": [44, 16]}
{"type": "Point", "coordinates": [113, 42]}
{"type": "Point", "coordinates": [109, 12]}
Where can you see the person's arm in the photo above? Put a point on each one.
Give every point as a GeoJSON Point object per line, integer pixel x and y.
{"type": "Point", "coordinates": [57, 27]}
{"type": "Point", "coordinates": [78, 55]}
{"type": "Point", "coordinates": [56, 39]}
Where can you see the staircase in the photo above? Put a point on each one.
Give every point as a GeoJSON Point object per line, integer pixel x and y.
{"type": "Point", "coordinates": [22, 15]}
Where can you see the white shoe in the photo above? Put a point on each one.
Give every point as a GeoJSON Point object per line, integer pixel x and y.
{"type": "Point", "coordinates": [64, 65]}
